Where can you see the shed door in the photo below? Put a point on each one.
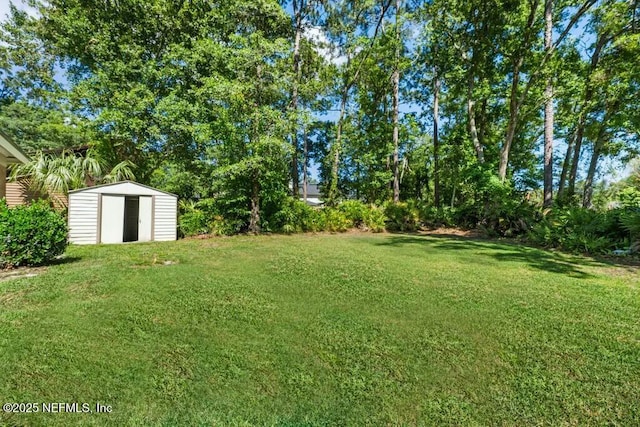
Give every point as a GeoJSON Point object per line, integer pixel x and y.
{"type": "Point", "coordinates": [112, 226]}
{"type": "Point", "coordinates": [145, 218]}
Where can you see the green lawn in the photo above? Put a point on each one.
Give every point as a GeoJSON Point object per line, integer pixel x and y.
{"type": "Point", "coordinates": [324, 330]}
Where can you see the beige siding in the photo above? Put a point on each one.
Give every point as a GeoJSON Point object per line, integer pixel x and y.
{"type": "Point", "coordinates": [165, 218]}
{"type": "Point", "coordinates": [83, 218]}
{"type": "Point", "coordinates": [15, 194]}
{"type": "Point", "coordinates": [18, 193]}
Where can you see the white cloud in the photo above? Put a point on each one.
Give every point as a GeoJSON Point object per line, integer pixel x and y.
{"type": "Point", "coordinates": [20, 4]}
{"type": "Point", "coordinates": [323, 46]}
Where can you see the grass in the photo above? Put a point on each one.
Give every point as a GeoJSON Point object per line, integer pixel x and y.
{"type": "Point", "coordinates": [324, 330]}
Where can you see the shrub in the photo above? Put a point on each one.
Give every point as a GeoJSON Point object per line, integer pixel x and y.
{"type": "Point", "coordinates": [402, 216]}
{"type": "Point", "coordinates": [630, 221]}
{"type": "Point", "coordinates": [221, 226]}
{"type": "Point", "coordinates": [194, 223]}
{"type": "Point", "coordinates": [375, 219]}
{"type": "Point", "coordinates": [334, 220]}
{"type": "Point", "coordinates": [355, 211]}
{"type": "Point", "coordinates": [296, 216]}
{"type": "Point", "coordinates": [30, 235]}
{"type": "Point", "coordinates": [581, 230]}
{"type": "Point", "coordinates": [438, 217]}
{"type": "Point", "coordinates": [510, 218]}
{"type": "Point", "coordinates": [629, 197]}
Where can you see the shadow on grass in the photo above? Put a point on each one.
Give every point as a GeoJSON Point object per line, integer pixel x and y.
{"type": "Point", "coordinates": [63, 260]}
{"type": "Point", "coordinates": [500, 251]}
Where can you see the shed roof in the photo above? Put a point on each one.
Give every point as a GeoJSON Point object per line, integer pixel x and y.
{"type": "Point", "coordinates": [118, 187]}
{"type": "Point", "coordinates": [10, 153]}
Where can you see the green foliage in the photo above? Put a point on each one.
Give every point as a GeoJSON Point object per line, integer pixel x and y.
{"type": "Point", "coordinates": [207, 99]}
{"type": "Point", "coordinates": [334, 220]}
{"type": "Point", "coordinates": [630, 221]}
{"type": "Point", "coordinates": [205, 217]}
{"type": "Point", "coordinates": [50, 174]}
{"type": "Point", "coordinates": [355, 211]}
{"type": "Point", "coordinates": [629, 197]}
{"type": "Point", "coordinates": [375, 220]}
{"type": "Point", "coordinates": [186, 184]}
{"type": "Point", "coordinates": [585, 230]}
{"type": "Point", "coordinates": [296, 217]}
{"type": "Point", "coordinates": [403, 216]}
{"type": "Point", "coordinates": [438, 217]}
{"type": "Point", "coordinates": [30, 234]}
{"type": "Point", "coordinates": [221, 226]}
{"type": "Point", "coordinates": [363, 216]}
{"type": "Point", "coordinates": [194, 223]}
{"type": "Point", "coordinates": [493, 207]}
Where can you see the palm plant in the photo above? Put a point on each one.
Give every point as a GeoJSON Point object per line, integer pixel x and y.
{"type": "Point", "coordinates": [49, 174]}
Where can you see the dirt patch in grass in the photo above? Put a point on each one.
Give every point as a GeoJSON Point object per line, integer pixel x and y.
{"type": "Point", "coordinates": [20, 272]}
{"type": "Point", "coordinates": [453, 232]}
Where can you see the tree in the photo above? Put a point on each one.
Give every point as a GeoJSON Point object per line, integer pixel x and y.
{"type": "Point", "coordinates": [50, 174]}
{"type": "Point", "coordinates": [348, 25]}
{"type": "Point", "coordinates": [548, 109]}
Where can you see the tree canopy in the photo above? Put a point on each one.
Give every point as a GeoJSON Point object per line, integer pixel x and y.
{"type": "Point", "coordinates": [240, 99]}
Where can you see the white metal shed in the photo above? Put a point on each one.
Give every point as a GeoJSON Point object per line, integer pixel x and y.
{"type": "Point", "coordinates": [121, 212]}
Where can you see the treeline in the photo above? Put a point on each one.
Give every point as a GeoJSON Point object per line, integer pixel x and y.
{"type": "Point", "coordinates": [471, 106]}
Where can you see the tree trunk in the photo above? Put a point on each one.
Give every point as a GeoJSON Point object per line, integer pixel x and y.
{"type": "Point", "coordinates": [305, 152]}
{"type": "Point", "coordinates": [588, 183]}
{"type": "Point", "coordinates": [577, 148]}
{"type": "Point", "coordinates": [396, 102]}
{"type": "Point", "coordinates": [254, 221]}
{"type": "Point", "coordinates": [582, 118]}
{"type": "Point", "coordinates": [548, 111]}
{"type": "Point", "coordinates": [515, 102]}
{"type": "Point", "coordinates": [566, 165]}
{"type": "Point", "coordinates": [482, 122]}
{"type": "Point", "coordinates": [297, 12]}
{"type": "Point", "coordinates": [254, 218]}
{"type": "Point", "coordinates": [337, 147]}
{"type": "Point", "coordinates": [595, 156]}
{"type": "Point", "coordinates": [473, 129]}
{"type": "Point", "coordinates": [514, 110]}
{"type": "Point", "coordinates": [436, 141]}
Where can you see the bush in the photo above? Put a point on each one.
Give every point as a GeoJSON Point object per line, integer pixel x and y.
{"type": "Point", "coordinates": [512, 217]}
{"type": "Point", "coordinates": [355, 211]}
{"type": "Point", "coordinates": [402, 216]}
{"type": "Point", "coordinates": [30, 235]}
{"type": "Point", "coordinates": [582, 230]}
{"type": "Point", "coordinates": [375, 219]}
{"type": "Point", "coordinates": [220, 226]}
{"type": "Point", "coordinates": [296, 216]}
{"type": "Point", "coordinates": [334, 220]}
{"type": "Point", "coordinates": [629, 197]}
{"type": "Point", "coordinates": [438, 217]}
{"type": "Point", "coordinates": [362, 216]}
{"type": "Point", "coordinates": [194, 223]}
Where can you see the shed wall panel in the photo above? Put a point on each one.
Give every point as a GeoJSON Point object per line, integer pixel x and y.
{"type": "Point", "coordinates": [83, 218]}
{"type": "Point", "coordinates": [165, 218]}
